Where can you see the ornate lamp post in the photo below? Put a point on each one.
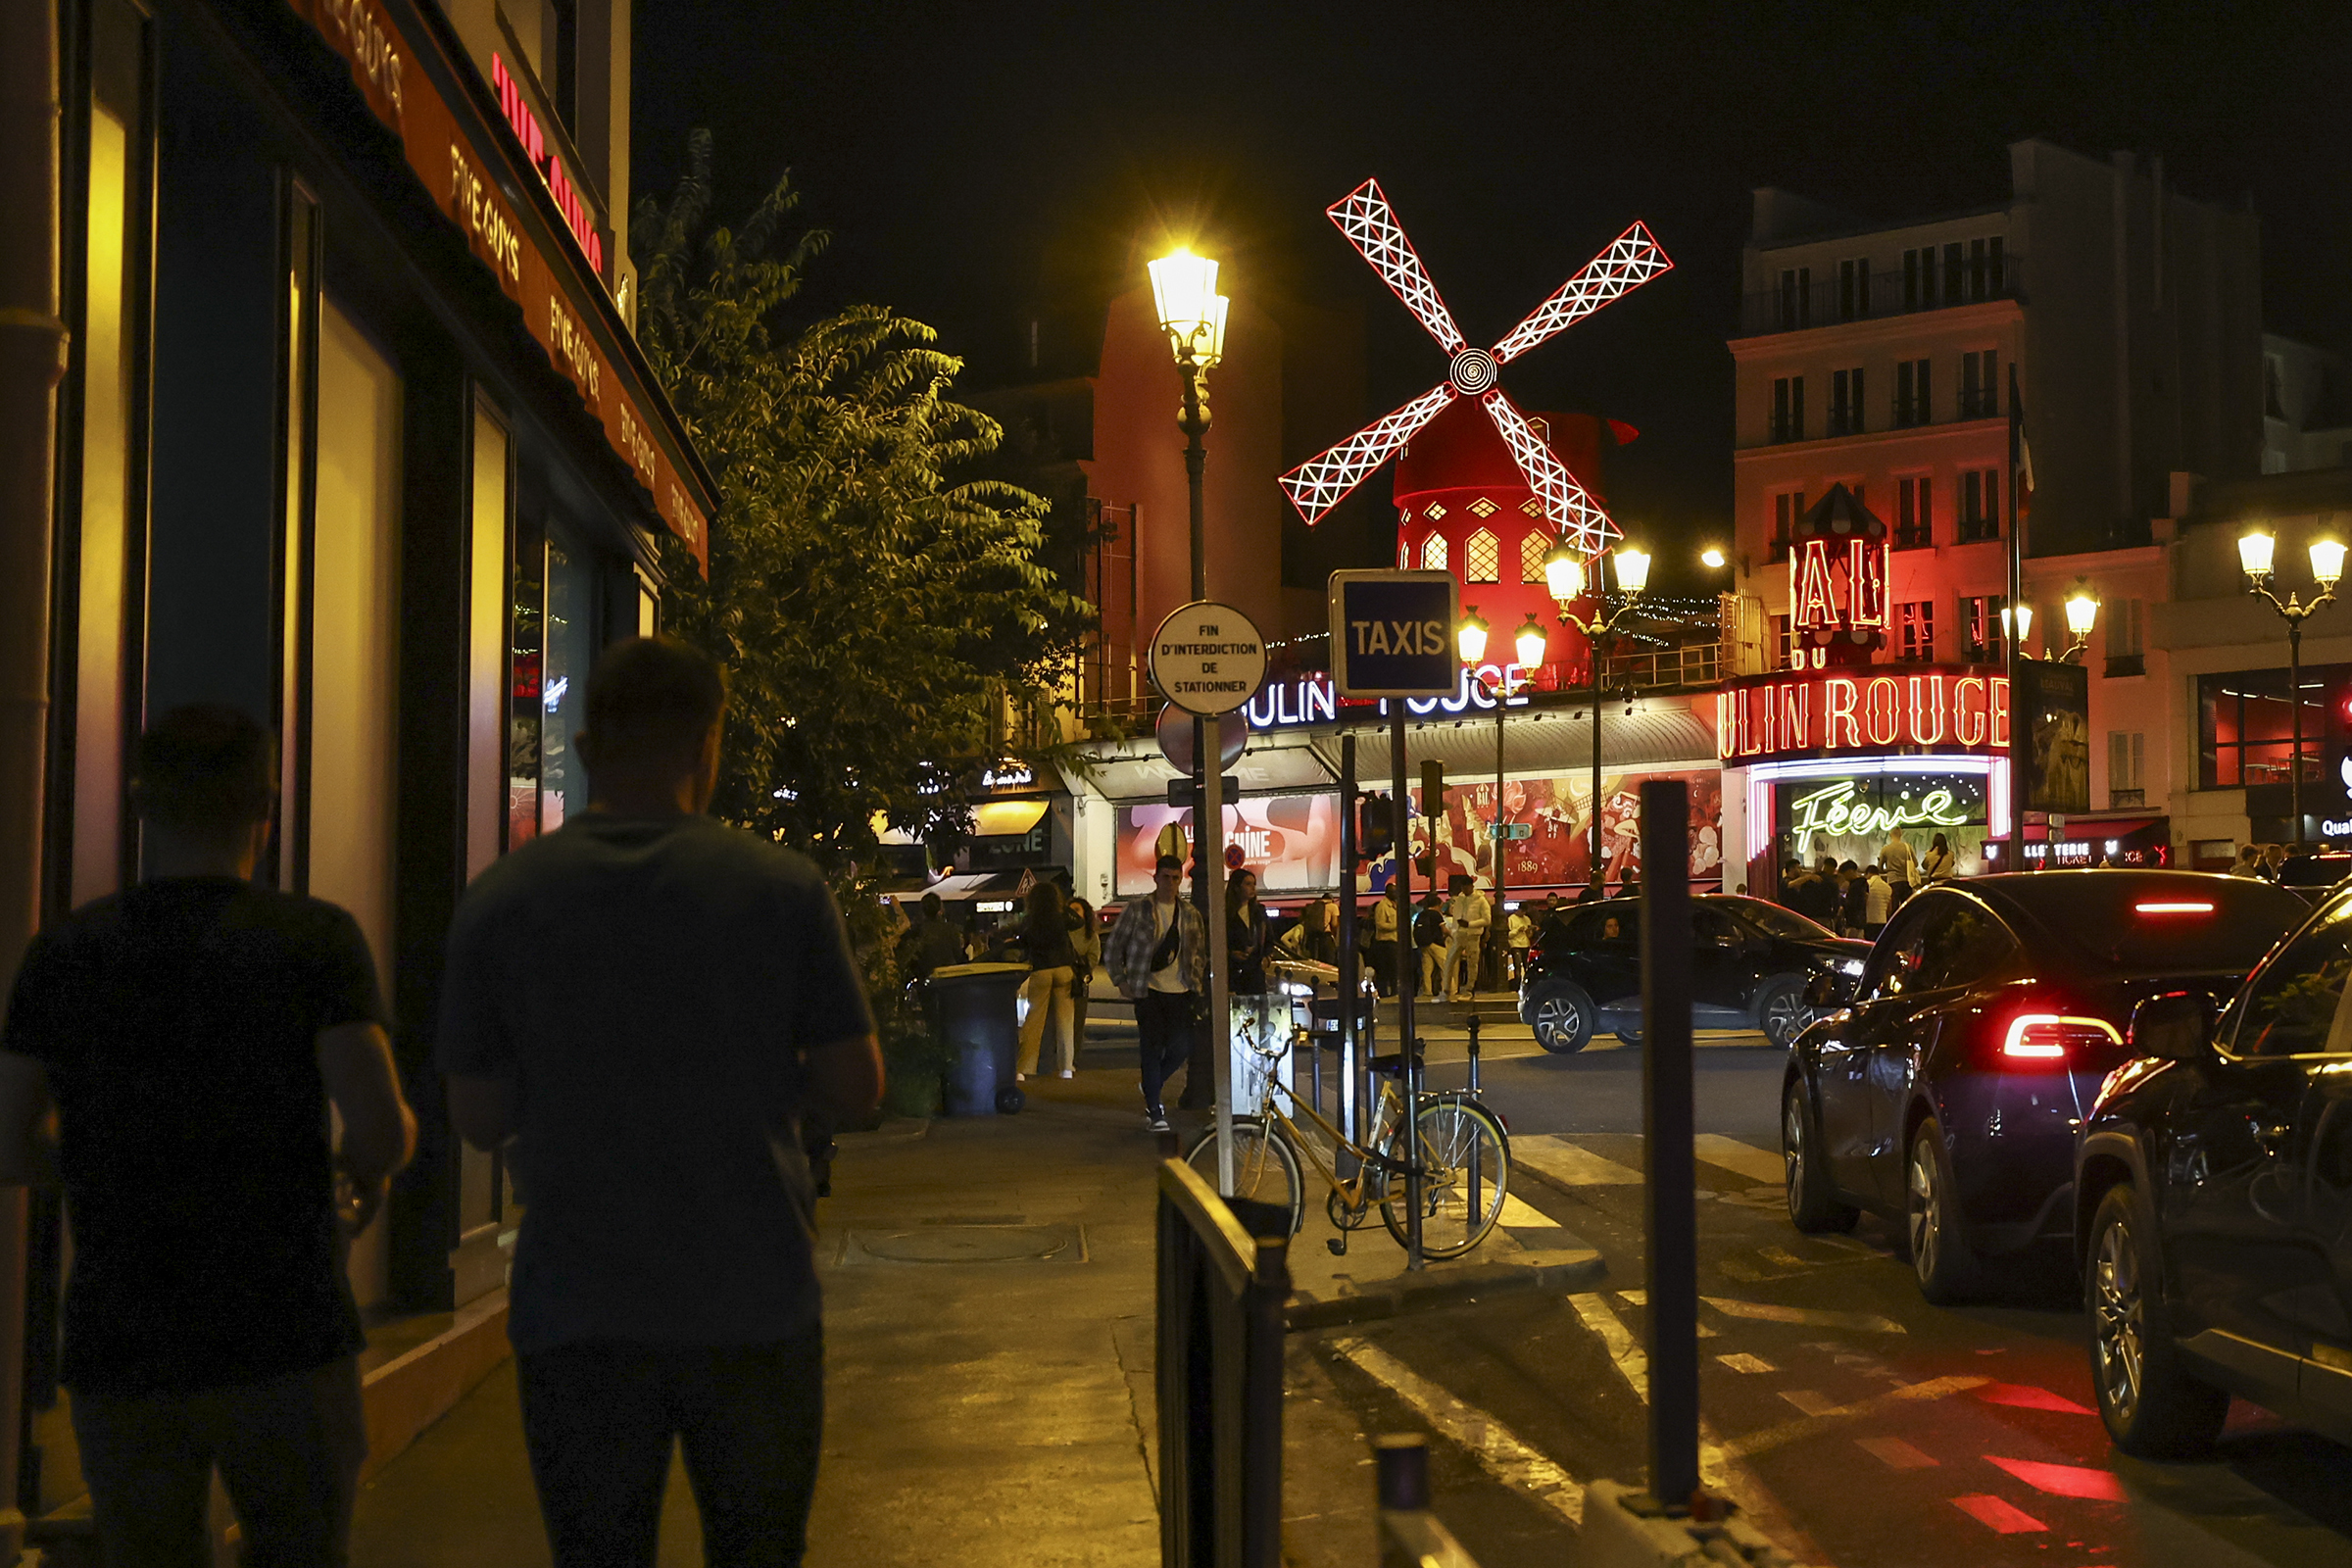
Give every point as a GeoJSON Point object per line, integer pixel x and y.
{"type": "Point", "coordinates": [1184, 292]}
{"type": "Point", "coordinates": [2081, 614]}
{"type": "Point", "coordinates": [1470, 642]}
{"type": "Point", "coordinates": [2254, 555]}
{"type": "Point", "coordinates": [1564, 577]}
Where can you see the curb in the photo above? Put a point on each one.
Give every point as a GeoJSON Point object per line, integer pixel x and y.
{"type": "Point", "coordinates": [1552, 1273]}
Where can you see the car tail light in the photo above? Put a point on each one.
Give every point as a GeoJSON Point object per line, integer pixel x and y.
{"type": "Point", "coordinates": [2052, 1037]}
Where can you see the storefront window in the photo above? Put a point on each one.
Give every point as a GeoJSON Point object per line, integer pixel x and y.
{"type": "Point", "coordinates": [2246, 727]}
{"type": "Point", "coordinates": [571, 585]}
{"type": "Point", "coordinates": [1849, 818]}
{"type": "Point", "coordinates": [527, 629]}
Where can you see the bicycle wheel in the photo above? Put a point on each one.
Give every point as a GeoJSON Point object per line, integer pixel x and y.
{"type": "Point", "coordinates": [1467, 1157]}
{"type": "Point", "coordinates": [1265, 1168]}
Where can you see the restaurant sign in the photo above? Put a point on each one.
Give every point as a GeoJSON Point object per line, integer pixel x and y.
{"type": "Point", "coordinates": [1910, 708]}
{"type": "Point", "coordinates": [563, 305]}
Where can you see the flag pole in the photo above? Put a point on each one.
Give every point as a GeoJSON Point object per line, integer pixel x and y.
{"type": "Point", "coordinates": [2021, 726]}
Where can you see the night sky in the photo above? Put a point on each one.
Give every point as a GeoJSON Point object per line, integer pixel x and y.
{"type": "Point", "coordinates": [976, 163]}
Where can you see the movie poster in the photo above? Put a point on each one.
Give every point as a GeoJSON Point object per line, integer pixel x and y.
{"type": "Point", "coordinates": [1290, 841]}
{"type": "Point", "coordinates": [1557, 851]}
{"type": "Point", "coordinates": [2053, 706]}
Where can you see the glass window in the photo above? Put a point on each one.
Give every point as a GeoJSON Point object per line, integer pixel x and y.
{"type": "Point", "coordinates": [1894, 963]}
{"type": "Point", "coordinates": [2245, 728]}
{"type": "Point", "coordinates": [1773, 921]}
{"type": "Point", "coordinates": [1534, 548]}
{"type": "Point", "coordinates": [2294, 1007]}
{"type": "Point", "coordinates": [1433, 551]}
{"type": "Point", "coordinates": [572, 645]}
{"type": "Point", "coordinates": [1482, 557]}
{"type": "Point", "coordinates": [1963, 943]}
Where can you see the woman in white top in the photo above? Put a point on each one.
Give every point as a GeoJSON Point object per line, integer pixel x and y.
{"type": "Point", "coordinates": [1937, 866]}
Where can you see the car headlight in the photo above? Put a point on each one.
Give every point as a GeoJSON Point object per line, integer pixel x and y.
{"type": "Point", "coordinates": [1852, 967]}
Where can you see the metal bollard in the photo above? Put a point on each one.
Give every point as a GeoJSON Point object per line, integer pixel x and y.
{"type": "Point", "coordinates": [1474, 1052]}
{"type": "Point", "coordinates": [1402, 1475]}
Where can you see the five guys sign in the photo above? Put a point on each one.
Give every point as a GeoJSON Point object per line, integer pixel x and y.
{"type": "Point", "coordinates": [1923, 707]}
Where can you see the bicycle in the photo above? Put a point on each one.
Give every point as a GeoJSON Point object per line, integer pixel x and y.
{"type": "Point", "coordinates": [1466, 1156]}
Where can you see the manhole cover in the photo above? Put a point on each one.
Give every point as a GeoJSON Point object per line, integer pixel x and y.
{"type": "Point", "coordinates": [966, 1244]}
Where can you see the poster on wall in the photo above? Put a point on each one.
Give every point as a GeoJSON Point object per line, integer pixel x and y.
{"type": "Point", "coordinates": [2054, 705]}
{"type": "Point", "coordinates": [1852, 818]}
{"type": "Point", "coordinates": [1557, 851]}
{"type": "Point", "coordinates": [1290, 841]}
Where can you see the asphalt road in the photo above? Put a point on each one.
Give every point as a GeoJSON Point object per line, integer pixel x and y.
{"type": "Point", "coordinates": [1861, 1425]}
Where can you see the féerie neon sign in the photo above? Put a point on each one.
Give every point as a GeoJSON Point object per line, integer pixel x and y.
{"type": "Point", "coordinates": [1833, 810]}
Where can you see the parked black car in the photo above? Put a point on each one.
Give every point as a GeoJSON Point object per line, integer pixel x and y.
{"type": "Point", "coordinates": [2212, 1190]}
{"type": "Point", "coordinates": [1749, 968]}
{"type": "Point", "coordinates": [1948, 1091]}
{"type": "Point", "coordinates": [2315, 876]}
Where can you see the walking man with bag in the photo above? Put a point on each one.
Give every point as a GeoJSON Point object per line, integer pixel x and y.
{"type": "Point", "coordinates": [643, 1007]}
{"type": "Point", "coordinates": [1159, 959]}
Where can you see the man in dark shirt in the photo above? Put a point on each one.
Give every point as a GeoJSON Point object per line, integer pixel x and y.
{"type": "Point", "coordinates": [191, 1033]}
{"type": "Point", "coordinates": [931, 943]}
{"type": "Point", "coordinates": [647, 1002]}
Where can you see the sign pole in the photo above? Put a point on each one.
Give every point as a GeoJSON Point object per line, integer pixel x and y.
{"type": "Point", "coordinates": [1401, 886]}
{"type": "Point", "coordinates": [1351, 970]}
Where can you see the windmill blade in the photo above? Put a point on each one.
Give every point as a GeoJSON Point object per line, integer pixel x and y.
{"type": "Point", "coordinates": [1631, 259]}
{"type": "Point", "coordinates": [1371, 226]}
{"type": "Point", "coordinates": [1321, 483]}
{"type": "Point", "coordinates": [1569, 505]}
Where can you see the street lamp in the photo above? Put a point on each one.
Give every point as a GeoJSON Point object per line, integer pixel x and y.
{"type": "Point", "coordinates": [2081, 614]}
{"type": "Point", "coordinates": [1470, 637]}
{"type": "Point", "coordinates": [1633, 575]}
{"type": "Point", "coordinates": [1470, 640]}
{"type": "Point", "coordinates": [1184, 293]}
{"type": "Point", "coordinates": [1712, 559]}
{"type": "Point", "coordinates": [2255, 552]}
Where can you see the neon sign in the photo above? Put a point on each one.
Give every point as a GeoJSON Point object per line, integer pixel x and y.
{"type": "Point", "coordinates": [1308, 700]}
{"type": "Point", "coordinates": [542, 158]}
{"type": "Point", "coordinates": [1923, 708]}
{"type": "Point", "coordinates": [1837, 581]}
{"type": "Point", "coordinates": [1834, 810]}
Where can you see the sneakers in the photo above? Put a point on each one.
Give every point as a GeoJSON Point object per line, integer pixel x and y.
{"type": "Point", "coordinates": [1069, 1072]}
{"type": "Point", "coordinates": [1155, 1120]}
{"type": "Point", "coordinates": [1020, 1077]}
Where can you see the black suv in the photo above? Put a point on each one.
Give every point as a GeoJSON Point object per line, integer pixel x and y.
{"type": "Point", "coordinates": [2212, 1183]}
{"type": "Point", "coordinates": [1750, 963]}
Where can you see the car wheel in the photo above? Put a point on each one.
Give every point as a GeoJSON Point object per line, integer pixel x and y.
{"type": "Point", "coordinates": [1562, 1017]}
{"type": "Point", "coordinates": [1630, 1036]}
{"type": "Point", "coordinates": [1780, 1012]}
{"type": "Point", "coordinates": [2153, 1408]}
{"type": "Point", "coordinates": [1940, 1256]}
{"type": "Point", "coordinates": [1813, 1208]}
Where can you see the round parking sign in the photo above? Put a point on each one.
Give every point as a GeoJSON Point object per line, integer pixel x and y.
{"type": "Point", "coordinates": [1207, 658]}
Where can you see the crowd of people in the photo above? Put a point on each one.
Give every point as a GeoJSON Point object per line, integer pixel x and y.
{"type": "Point", "coordinates": [1855, 899]}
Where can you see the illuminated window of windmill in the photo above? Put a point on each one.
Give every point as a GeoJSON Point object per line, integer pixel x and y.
{"type": "Point", "coordinates": [1483, 507]}
{"type": "Point", "coordinates": [1433, 551]}
{"type": "Point", "coordinates": [1437, 510]}
{"type": "Point", "coordinates": [1482, 557]}
{"type": "Point", "coordinates": [1531, 507]}
{"type": "Point", "coordinates": [1532, 550]}
{"type": "Point", "coordinates": [1404, 555]}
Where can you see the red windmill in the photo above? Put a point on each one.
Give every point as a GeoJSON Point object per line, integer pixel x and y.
{"type": "Point", "coordinates": [1631, 259]}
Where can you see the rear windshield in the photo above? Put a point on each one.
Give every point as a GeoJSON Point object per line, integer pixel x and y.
{"type": "Point", "coordinates": [1773, 921]}
{"type": "Point", "coordinates": [2160, 925]}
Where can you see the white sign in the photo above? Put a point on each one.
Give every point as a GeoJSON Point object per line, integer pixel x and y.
{"type": "Point", "coordinates": [1207, 658]}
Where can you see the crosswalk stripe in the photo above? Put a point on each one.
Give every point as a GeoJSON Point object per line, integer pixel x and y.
{"type": "Point", "coordinates": [1517, 1215]}
{"type": "Point", "coordinates": [1571, 1164]}
{"type": "Point", "coordinates": [1896, 1453]}
{"type": "Point", "coordinates": [2063, 1479]}
{"type": "Point", "coordinates": [1995, 1514]}
{"type": "Point", "coordinates": [1749, 1160]}
{"type": "Point", "coordinates": [1812, 1425]}
{"type": "Point", "coordinates": [1812, 1316]}
{"type": "Point", "coordinates": [1495, 1446]}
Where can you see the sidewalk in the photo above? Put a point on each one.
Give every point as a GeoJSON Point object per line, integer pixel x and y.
{"type": "Point", "coordinates": [989, 1298]}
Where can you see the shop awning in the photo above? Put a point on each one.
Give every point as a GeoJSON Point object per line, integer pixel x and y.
{"type": "Point", "coordinates": [997, 820]}
{"type": "Point", "coordinates": [1541, 743]}
{"type": "Point", "coordinates": [2092, 829]}
{"type": "Point", "coordinates": [976, 885]}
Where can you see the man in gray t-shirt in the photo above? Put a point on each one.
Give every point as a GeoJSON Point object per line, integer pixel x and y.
{"type": "Point", "coordinates": [641, 1008]}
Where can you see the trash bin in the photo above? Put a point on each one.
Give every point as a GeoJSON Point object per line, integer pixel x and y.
{"type": "Point", "coordinates": [975, 1009]}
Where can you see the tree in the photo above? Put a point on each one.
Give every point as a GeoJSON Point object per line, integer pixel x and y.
{"type": "Point", "coordinates": [876, 603]}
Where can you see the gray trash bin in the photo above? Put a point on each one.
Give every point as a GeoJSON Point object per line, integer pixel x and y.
{"type": "Point", "coordinates": [974, 1006]}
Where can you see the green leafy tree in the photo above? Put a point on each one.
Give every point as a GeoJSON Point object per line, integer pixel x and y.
{"type": "Point", "coordinates": [878, 602]}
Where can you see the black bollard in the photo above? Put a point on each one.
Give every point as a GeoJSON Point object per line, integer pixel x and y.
{"type": "Point", "coordinates": [1668, 1127]}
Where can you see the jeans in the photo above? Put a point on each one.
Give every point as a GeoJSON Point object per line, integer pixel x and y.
{"type": "Point", "coordinates": [1383, 967]}
{"type": "Point", "coordinates": [599, 1419]}
{"type": "Point", "coordinates": [1048, 993]}
{"type": "Point", "coordinates": [1164, 1028]}
{"type": "Point", "coordinates": [288, 1450]}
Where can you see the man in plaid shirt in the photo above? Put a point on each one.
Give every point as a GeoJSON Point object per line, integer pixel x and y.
{"type": "Point", "coordinates": [1159, 957]}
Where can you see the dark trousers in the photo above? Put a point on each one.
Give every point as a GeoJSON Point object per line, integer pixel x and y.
{"type": "Point", "coordinates": [1383, 967]}
{"type": "Point", "coordinates": [1164, 1029]}
{"type": "Point", "coordinates": [599, 1419]}
{"type": "Point", "coordinates": [288, 1450]}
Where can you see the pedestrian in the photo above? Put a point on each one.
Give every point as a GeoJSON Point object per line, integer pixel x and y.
{"type": "Point", "coordinates": [1322, 920]}
{"type": "Point", "coordinates": [2274, 858]}
{"type": "Point", "coordinates": [1519, 933]}
{"type": "Point", "coordinates": [1900, 865]}
{"type": "Point", "coordinates": [1878, 903]}
{"type": "Point", "coordinates": [1250, 945]}
{"type": "Point", "coordinates": [1429, 940]}
{"type": "Point", "coordinates": [1466, 918]}
{"type": "Point", "coordinates": [1157, 955]}
{"type": "Point", "coordinates": [1629, 886]}
{"type": "Point", "coordinates": [1854, 899]}
{"type": "Point", "coordinates": [1044, 935]}
{"type": "Point", "coordinates": [642, 1008]}
{"type": "Point", "coordinates": [1937, 866]}
{"type": "Point", "coordinates": [1086, 954]}
{"type": "Point", "coordinates": [191, 1033]}
{"type": "Point", "coordinates": [1385, 974]}
{"type": "Point", "coordinates": [1817, 897]}
{"type": "Point", "coordinates": [930, 943]}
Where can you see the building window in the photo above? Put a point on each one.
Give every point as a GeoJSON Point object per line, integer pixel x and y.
{"type": "Point", "coordinates": [2125, 628]}
{"type": "Point", "coordinates": [1483, 507]}
{"type": "Point", "coordinates": [1482, 557]}
{"type": "Point", "coordinates": [1981, 629]}
{"type": "Point", "coordinates": [2245, 729]}
{"type": "Point", "coordinates": [1797, 298]}
{"type": "Point", "coordinates": [1433, 552]}
{"type": "Point", "coordinates": [1980, 388]}
{"type": "Point", "coordinates": [1845, 402]}
{"type": "Point", "coordinates": [1980, 505]}
{"type": "Point", "coordinates": [1787, 507]}
{"type": "Point", "coordinates": [1955, 272]}
{"type": "Point", "coordinates": [1911, 393]}
{"type": "Point", "coordinates": [2126, 769]}
{"type": "Point", "coordinates": [1853, 289]}
{"type": "Point", "coordinates": [1532, 550]}
{"type": "Point", "coordinates": [1437, 510]}
{"type": "Point", "coordinates": [1916, 623]}
{"type": "Point", "coordinates": [1919, 279]}
{"type": "Point", "coordinates": [1783, 652]}
{"type": "Point", "coordinates": [2273, 384]}
{"type": "Point", "coordinates": [1914, 513]}
{"type": "Point", "coordinates": [1531, 507]}
{"type": "Point", "coordinates": [1789, 407]}
{"type": "Point", "coordinates": [1404, 555]}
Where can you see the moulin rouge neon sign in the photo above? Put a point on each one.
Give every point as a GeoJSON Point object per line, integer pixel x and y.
{"type": "Point", "coordinates": [1921, 709]}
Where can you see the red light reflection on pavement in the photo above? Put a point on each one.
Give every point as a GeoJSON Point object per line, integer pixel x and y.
{"type": "Point", "coordinates": [2063, 1479]}
{"type": "Point", "coordinates": [1995, 1514]}
{"type": "Point", "coordinates": [2024, 1396]}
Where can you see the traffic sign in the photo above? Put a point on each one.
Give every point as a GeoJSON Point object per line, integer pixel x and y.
{"type": "Point", "coordinates": [1392, 633]}
{"type": "Point", "coordinates": [1208, 659]}
{"type": "Point", "coordinates": [1175, 731]}
{"type": "Point", "coordinates": [1507, 831]}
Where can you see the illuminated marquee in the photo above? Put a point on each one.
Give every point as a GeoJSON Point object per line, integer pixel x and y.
{"type": "Point", "coordinates": [524, 122]}
{"type": "Point", "coordinates": [1838, 557]}
{"type": "Point", "coordinates": [1909, 708]}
